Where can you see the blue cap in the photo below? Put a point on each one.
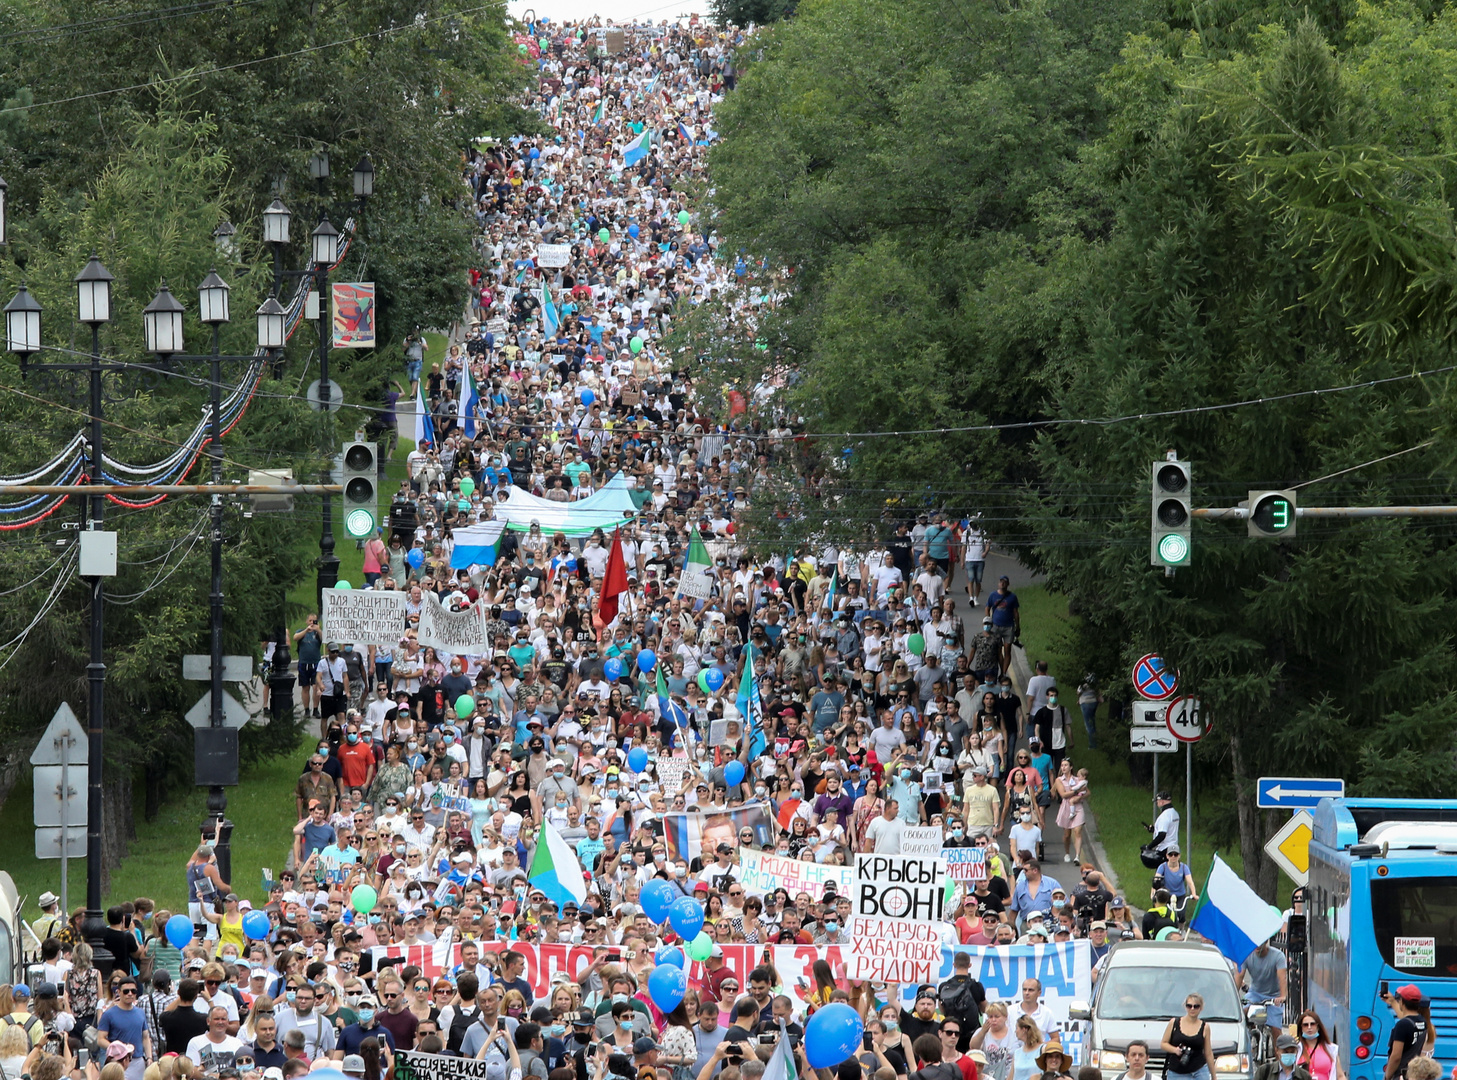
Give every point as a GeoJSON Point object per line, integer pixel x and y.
{"type": "Point", "coordinates": [20, 990]}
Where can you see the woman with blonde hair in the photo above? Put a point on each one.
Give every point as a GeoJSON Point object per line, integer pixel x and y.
{"type": "Point", "coordinates": [1027, 1050]}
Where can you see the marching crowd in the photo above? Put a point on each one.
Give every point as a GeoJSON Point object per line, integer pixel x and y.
{"type": "Point", "coordinates": [870, 707]}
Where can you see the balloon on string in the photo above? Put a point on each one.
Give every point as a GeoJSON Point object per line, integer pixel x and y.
{"type": "Point", "coordinates": [683, 217]}
{"type": "Point", "coordinates": [587, 397]}
{"type": "Point", "coordinates": [255, 925]}
{"type": "Point", "coordinates": [635, 345]}
{"type": "Point", "coordinates": [733, 773]}
{"type": "Point", "coordinates": [686, 916]}
{"type": "Point", "coordinates": [633, 231]}
{"type": "Point", "coordinates": [341, 584]}
{"type": "Point", "coordinates": [612, 668]}
{"type": "Point", "coordinates": [656, 898]}
{"type": "Point", "coordinates": [415, 557]}
{"type": "Point", "coordinates": [669, 954]}
{"type": "Point", "coordinates": [363, 899]}
{"type": "Point", "coordinates": [832, 1035]}
{"type": "Point", "coordinates": [703, 680]}
{"type": "Point", "coordinates": [637, 759]}
{"type": "Point", "coordinates": [701, 947]}
{"type": "Point", "coordinates": [667, 985]}
{"type": "Point", "coordinates": [647, 660]}
{"type": "Point", "coordinates": [715, 679]}
{"type": "Point", "coordinates": [535, 153]}
{"type": "Point", "coordinates": [604, 235]}
{"type": "Point", "coordinates": [917, 644]}
{"type": "Point", "coordinates": [179, 930]}
{"type": "Point", "coordinates": [464, 706]}
{"type": "Point", "coordinates": [467, 486]}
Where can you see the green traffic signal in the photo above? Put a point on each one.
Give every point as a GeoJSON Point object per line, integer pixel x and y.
{"type": "Point", "coordinates": [1272, 514]}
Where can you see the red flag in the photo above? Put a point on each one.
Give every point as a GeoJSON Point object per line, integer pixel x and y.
{"type": "Point", "coordinates": [614, 581]}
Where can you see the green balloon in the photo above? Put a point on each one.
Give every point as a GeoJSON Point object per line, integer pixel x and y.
{"type": "Point", "coordinates": [703, 681]}
{"type": "Point", "coordinates": [522, 49]}
{"type": "Point", "coordinates": [342, 585]}
{"type": "Point", "coordinates": [701, 947]}
{"type": "Point", "coordinates": [636, 345]}
{"type": "Point", "coordinates": [604, 235]}
{"type": "Point", "coordinates": [917, 644]}
{"type": "Point", "coordinates": [363, 898]}
{"type": "Point", "coordinates": [464, 705]}
{"type": "Point", "coordinates": [682, 217]}
{"type": "Point", "coordinates": [467, 485]}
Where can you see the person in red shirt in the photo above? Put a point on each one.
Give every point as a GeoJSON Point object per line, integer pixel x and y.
{"type": "Point", "coordinates": [356, 759]}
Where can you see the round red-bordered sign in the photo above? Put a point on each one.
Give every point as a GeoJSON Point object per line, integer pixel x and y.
{"type": "Point", "coordinates": [1152, 680]}
{"type": "Point", "coordinates": [1184, 717]}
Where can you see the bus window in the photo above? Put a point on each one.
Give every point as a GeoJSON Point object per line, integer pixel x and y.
{"type": "Point", "coordinates": [8, 957]}
{"type": "Point", "coordinates": [1422, 912]}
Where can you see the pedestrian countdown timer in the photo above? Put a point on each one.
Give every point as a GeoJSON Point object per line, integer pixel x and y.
{"type": "Point", "coordinates": [1271, 514]}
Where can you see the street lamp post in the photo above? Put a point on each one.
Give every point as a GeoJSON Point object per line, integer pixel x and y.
{"type": "Point", "coordinates": [23, 338]}
{"type": "Point", "coordinates": [163, 324]}
{"type": "Point", "coordinates": [325, 253]}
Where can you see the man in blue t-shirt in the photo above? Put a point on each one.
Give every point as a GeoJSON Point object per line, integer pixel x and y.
{"type": "Point", "coordinates": [1006, 615]}
{"type": "Point", "coordinates": [124, 1023]}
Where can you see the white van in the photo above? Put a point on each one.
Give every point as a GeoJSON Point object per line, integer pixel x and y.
{"type": "Point", "coordinates": [1143, 984]}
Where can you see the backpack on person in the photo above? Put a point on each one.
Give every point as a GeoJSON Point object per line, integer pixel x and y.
{"type": "Point", "coordinates": [460, 1023]}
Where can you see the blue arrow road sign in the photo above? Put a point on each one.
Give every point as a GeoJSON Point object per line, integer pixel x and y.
{"type": "Point", "coordinates": [1295, 792]}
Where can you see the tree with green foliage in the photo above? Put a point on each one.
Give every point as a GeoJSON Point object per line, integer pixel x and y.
{"type": "Point", "coordinates": [1333, 651]}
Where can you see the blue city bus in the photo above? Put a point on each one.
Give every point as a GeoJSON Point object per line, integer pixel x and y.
{"type": "Point", "coordinates": [1381, 910]}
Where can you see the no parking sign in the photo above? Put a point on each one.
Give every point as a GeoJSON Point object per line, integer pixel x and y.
{"type": "Point", "coordinates": [1152, 680]}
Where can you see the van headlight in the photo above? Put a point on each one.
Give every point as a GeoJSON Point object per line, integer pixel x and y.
{"type": "Point", "coordinates": [1232, 1063]}
{"type": "Point", "coordinates": [1109, 1059]}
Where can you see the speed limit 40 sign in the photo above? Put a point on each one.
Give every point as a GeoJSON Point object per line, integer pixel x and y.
{"type": "Point", "coordinates": [1186, 719]}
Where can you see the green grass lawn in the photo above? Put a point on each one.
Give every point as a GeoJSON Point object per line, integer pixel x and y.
{"type": "Point", "coordinates": [1119, 806]}
{"type": "Point", "coordinates": [260, 807]}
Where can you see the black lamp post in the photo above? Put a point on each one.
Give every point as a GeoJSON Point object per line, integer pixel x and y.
{"type": "Point", "coordinates": [325, 254]}
{"type": "Point", "coordinates": [162, 322]}
{"type": "Point", "coordinates": [23, 338]}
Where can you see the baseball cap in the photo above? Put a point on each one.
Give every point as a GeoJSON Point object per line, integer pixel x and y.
{"type": "Point", "coordinates": [353, 1063]}
{"type": "Point", "coordinates": [644, 1046]}
{"type": "Point", "coordinates": [20, 990]}
{"type": "Point", "coordinates": [717, 953]}
{"type": "Point", "coordinates": [1410, 992]}
{"type": "Point", "coordinates": [273, 1072]}
{"type": "Point", "coordinates": [1097, 924]}
{"type": "Point", "coordinates": [702, 886]}
{"type": "Point", "coordinates": [585, 1018]}
{"type": "Point", "coordinates": [724, 849]}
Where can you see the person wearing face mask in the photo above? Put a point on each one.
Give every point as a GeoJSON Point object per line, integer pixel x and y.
{"type": "Point", "coordinates": [555, 784]}
{"type": "Point", "coordinates": [302, 1016]}
{"type": "Point", "coordinates": [1025, 835]}
{"type": "Point", "coordinates": [366, 1027]}
{"type": "Point", "coordinates": [1053, 724]}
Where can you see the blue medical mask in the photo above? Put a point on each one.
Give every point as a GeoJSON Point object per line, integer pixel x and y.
{"type": "Point", "coordinates": [627, 1025]}
{"type": "Point", "coordinates": [1310, 1035]}
{"type": "Point", "coordinates": [832, 928]}
{"type": "Point", "coordinates": [353, 738]}
{"type": "Point", "coordinates": [290, 995]}
{"type": "Point", "coordinates": [1287, 1060]}
{"type": "Point", "coordinates": [366, 1016]}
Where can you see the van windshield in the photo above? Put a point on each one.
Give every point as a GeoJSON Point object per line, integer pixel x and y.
{"type": "Point", "coordinates": [1148, 993]}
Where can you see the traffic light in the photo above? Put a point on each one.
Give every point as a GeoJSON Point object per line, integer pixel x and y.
{"type": "Point", "coordinates": [1169, 540]}
{"type": "Point", "coordinates": [361, 496]}
{"type": "Point", "coordinates": [1272, 515]}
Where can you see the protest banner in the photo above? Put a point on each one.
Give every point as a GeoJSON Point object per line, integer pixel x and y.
{"type": "Point", "coordinates": [762, 872]}
{"type": "Point", "coordinates": [922, 840]}
{"type": "Point", "coordinates": [553, 255]}
{"type": "Point", "coordinates": [897, 887]}
{"type": "Point", "coordinates": [354, 314]}
{"type": "Point", "coordinates": [413, 1065]}
{"type": "Point", "coordinates": [363, 616]}
{"type": "Point", "coordinates": [671, 772]}
{"type": "Point", "coordinates": [893, 950]}
{"type": "Point", "coordinates": [691, 833]}
{"type": "Point", "coordinates": [454, 632]}
{"type": "Point", "coordinates": [965, 863]}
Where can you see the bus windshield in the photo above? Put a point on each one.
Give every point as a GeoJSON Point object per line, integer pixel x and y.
{"type": "Point", "coordinates": [1415, 922]}
{"type": "Point", "coordinates": [1148, 993]}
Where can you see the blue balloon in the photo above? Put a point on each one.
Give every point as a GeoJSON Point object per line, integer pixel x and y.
{"type": "Point", "coordinates": [714, 677]}
{"type": "Point", "coordinates": [647, 660]}
{"type": "Point", "coordinates": [416, 558]}
{"type": "Point", "coordinates": [733, 773]}
{"type": "Point", "coordinates": [686, 915]}
{"type": "Point", "coordinates": [667, 985]}
{"type": "Point", "coordinates": [832, 1035]}
{"type": "Point", "coordinates": [587, 397]}
{"type": "Point", "coordinates": [637, 759]}
{"type": "Point", "coordinates": [179, 931]}
{"type": "Point", "coordinates": [657, 898]}
{"type": "Point", "coordinates": [612, 669]}
{"type": "Point", "coordinates": [633, 231]}
{"type": "Point", "coordinates": [670, 955]}
{"type": "Point", "coordinates": [255, 925]}
{"type": "Point", "coordinates": [535, 153]}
